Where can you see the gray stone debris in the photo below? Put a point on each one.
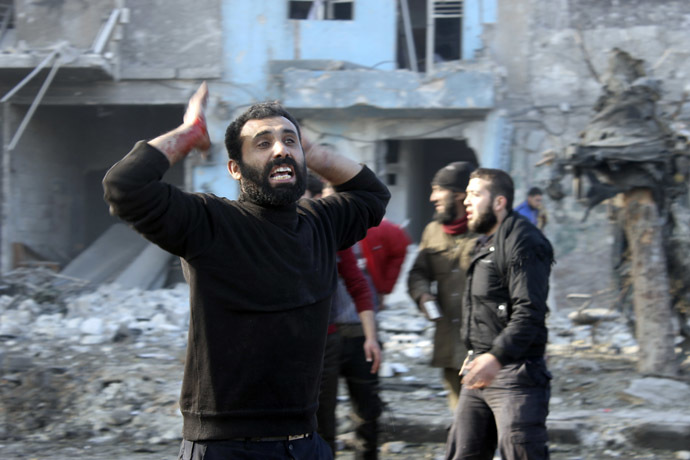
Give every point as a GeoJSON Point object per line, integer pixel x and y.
{"type": "Point", "coordinates": [102, 366]}
{"type": "Point", "coordinates": [659, 391]}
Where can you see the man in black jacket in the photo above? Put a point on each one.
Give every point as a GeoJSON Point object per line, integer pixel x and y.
{"type": "Point", "coordinates": [261, 271]}
{"type": "Point", "coordinates": [506, 385]}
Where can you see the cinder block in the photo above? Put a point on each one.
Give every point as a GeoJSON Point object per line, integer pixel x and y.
{"type": "Point", "coordinates": [564, 431]}
{"type": "Point", "coordinates": [671, 436]}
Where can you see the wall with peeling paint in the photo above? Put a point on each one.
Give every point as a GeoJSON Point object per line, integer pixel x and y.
{"type": "Point", "coordinates": [551, 55]}
{"type": "Point", "coordinates": [526, 86]}
{"type": "Point", "coordinates": [476, 15]}
{"type": "Point", "coordinates": [56, 201]}
{"type": "Point", "coordinates": [555, 52]}
{"type": "Point", "coordinates": [46, 23]}
{"type": "Point", "coordinates": [171, 39]}
{"type": "Point", "coordinates": [259, 31]}
{"type": "Point", "coordinates": [340, 79]}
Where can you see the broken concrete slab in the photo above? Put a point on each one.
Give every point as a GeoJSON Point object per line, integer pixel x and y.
{"type": "Point", "coordinates": [147, 271]}
{"type": "Point", "coordinates": [564, 431]}
{"type": "Point", "coordinates": [659, 391]}
{"type": "Point", "coordinates": [108, 256]}
{"type": "Point", "coordinates": [670, 436]}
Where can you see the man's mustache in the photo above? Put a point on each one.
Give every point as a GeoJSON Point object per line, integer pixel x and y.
{"type": "Point", "coordinates": [280, 162]}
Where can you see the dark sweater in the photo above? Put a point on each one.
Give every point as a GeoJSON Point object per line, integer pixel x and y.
{"type": "Point", "coordinates": [261, 281]}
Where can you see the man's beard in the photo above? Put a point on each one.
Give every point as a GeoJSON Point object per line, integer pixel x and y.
{"type": "Point", "coordinates": [483, 222]}
{"type": "Point", "coordinates": [449, 213]}
{"type": "Point", "coordinates": [255, 186]}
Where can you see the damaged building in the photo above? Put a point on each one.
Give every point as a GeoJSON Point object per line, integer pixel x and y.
{"type": "Point", "coordinates": [632, 157]}
{"type": "Point", "coordinates": [405, 86]}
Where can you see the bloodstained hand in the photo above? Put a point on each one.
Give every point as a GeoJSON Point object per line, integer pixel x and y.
{"type": "Point", "coordinates": [192, 134]}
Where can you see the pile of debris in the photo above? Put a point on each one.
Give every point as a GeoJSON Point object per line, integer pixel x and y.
{"type": "Point", "coordinates": [76, 359]}
{"type": "Point", "coordinates": [97, 368]}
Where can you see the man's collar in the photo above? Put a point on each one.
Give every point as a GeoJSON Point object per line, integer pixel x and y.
{"type": "Point", "coordinates": [485, 239]}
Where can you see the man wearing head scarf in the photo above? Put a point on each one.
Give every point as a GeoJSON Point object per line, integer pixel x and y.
{"type": "Point", "coordinates": [437, 278]}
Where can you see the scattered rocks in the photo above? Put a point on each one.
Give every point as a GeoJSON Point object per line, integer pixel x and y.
{"type": "Point", "coordinates": [99, 368]}
{"type": "Point", "coordinates": [658, 391]}
{"type": "Point", "coordinates": [590, 316]}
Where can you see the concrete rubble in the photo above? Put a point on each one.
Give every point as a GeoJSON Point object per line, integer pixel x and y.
{"type": "Point", "coordinates": [95, 370]}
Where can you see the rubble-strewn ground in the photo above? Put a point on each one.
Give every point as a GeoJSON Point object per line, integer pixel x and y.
{"type": "Point", "coordinates": [95, 373]}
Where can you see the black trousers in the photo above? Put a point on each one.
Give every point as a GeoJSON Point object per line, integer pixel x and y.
{"type": "Point", "coordinates": [309, 448]}
{"type": "Point", "coordinates": [510, 413]}
{"type": "Point", "coordinates": [345, 357]}
{"type": "Point", "coordinates": [328, 393]}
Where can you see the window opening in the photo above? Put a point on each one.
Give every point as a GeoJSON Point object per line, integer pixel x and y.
{"type": "Point", "coordinates": [392, 160]}
{"type": "Point", "coordinates": [444, 25]}
{"type": "Point", "coordinates": [392, 152]}
{"type": "Point", "coordinates": [338, 10]}
{"type": "Point", "coordinates": [6, 17]}
{"type": "Point", "coordinates": [434, 31]}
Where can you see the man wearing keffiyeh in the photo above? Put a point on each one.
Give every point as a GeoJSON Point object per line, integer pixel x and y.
{"type": "Point", "coordinates": [443, 258]}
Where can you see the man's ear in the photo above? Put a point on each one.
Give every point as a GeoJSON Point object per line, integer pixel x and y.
{"type": "Point", "coordinates": [234, 169]}
{"type": "Point", "coordinates": [499, 203]}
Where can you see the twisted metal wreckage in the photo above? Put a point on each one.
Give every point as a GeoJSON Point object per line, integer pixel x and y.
{"type": "Point", "coordinates": [629, 152]}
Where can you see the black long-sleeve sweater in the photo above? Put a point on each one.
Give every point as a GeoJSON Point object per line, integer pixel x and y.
{"type": "Point", "coordinates": [261, 281]}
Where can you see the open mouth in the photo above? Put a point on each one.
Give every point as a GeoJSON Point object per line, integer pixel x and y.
{"type": "Point", "coordinates": [282, 173]}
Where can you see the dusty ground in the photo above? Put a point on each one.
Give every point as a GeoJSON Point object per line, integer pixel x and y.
{"type": "Point", "coordinates": [593, 413]}
{"type": "Point", "coordinates": [588, 384]}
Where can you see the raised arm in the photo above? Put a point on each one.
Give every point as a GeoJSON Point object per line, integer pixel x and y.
{"type": "Point", "coordinates": [163, 213]}
{"type": "Point", "coordinates": [191, 134]}
{"type": "Point", "coordinates": [334, 168]}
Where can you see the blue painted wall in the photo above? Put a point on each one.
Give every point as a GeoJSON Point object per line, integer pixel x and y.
{"type": "Point", "coordinates": [258, 31]}
{"type": "Point", "coordinates": [476, 13]}
{"type": "Point", "coordinates": [497, 136]}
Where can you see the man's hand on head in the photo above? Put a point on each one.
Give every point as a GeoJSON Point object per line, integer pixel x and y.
{"type": "Point", "coordinates": [315, 155]}
{"type": "Point", "coordinates": [306, 145]}
{"type": "Point", "coordinates": [324, 161]}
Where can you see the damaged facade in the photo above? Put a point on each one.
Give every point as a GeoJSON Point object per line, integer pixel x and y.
{"type": "Point", "coordinates": [405, 86]}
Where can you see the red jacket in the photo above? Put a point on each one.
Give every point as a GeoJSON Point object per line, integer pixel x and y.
{"type": "Point", "coordinates": [385, 248]}
{"type": "Point", "coordinates": [355, 282]}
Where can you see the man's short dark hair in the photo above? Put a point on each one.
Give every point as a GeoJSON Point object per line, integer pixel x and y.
{"type": "Point", "coordinates": [534, 191]}
{"type": "Point", "coordinates": [233, 142]}
{"type": "Point", "coordinates": [500, 183]}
